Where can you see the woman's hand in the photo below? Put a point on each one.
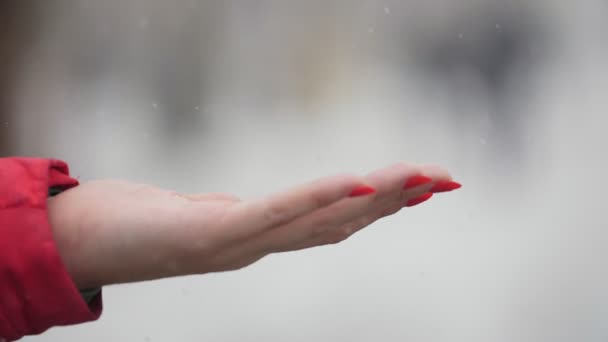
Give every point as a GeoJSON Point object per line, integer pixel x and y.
{"type": "Point", "coordinates": [115, 232]}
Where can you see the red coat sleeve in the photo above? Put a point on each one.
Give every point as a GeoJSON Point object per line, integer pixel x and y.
{"type": "Point", "coordinates": [36, 292]}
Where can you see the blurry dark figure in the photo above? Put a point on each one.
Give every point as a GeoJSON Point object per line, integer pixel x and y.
{"type": "Point", "coordinates": [498, 48]}
{"type": "Point", "coordinates": [18, 28]}
{"type": "Point", "coordinates": [155, 46]}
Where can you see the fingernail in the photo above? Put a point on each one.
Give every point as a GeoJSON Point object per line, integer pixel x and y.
{"type": "Point", "coordinates": [362, 191]}
{"type": "Point", "coordinates": [416, 181]}
{"type": "Point", "coordinates": [419, 199]}
{"type": "Point", "coordinates": [445, 186]}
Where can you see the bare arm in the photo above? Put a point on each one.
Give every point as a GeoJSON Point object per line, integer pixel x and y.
{"type": "Point", "coordinates": [112, 232]}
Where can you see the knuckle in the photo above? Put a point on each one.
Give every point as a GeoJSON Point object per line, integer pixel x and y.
{"type": "Point", "coordinates": [337, 237]}
{"type": "Point", "coordinates": [342, 234]}
{"type": "Point", "coordinates": [322, 224]}
{"type": "Point", "coordinates": [348, 177]}
{"type": "Point", "coordinates": [348, 180]}
{"type": "Point", "coordinates": [350, 229]}
{"type": "Point", "coordinates": [404, 166]}
{"type": "Point", "coordinates": [401, 196]}
{"type": "Point", "coordinates": [387, 212]}
{"type": "Point", "coordinates": [276, 214]}
{"type": "Point", "coordinates": [363, 222]}
{"type": "Point", "coordinates": [320, 200]}
{"type": "Point", "coordinates": [359, 224]}
{"type": "Point", "coordinates": [318, 230]}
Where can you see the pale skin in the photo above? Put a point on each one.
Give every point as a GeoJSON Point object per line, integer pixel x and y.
{"type": "Point", "coordinates": [111, 232]}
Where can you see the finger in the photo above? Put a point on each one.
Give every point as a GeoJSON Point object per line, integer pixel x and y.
{"type": "Point", "coordinates": [397, 176]}
{"type": "Point", "coordinates": [402, 181]}
{"type": "Point", "coordinates": [422, 184]}
{"type": "Point", "coordinates": [389, 183]}
{"type": "Point", "coordinates": [348, 229]}
{"type": "Point", "coordinates": [278, 209]}
{"type": "Point", "coordinates": [318, 224]}
{"type": "Point", "coordinates": [267, 241]}
{"type": "Point", "coordinates": [435, 172]}
{"type": "Point", "coordinates": [391, 198]}
{"type": "Point", "coordinates": [331, 224]}
{"type": "Point", "coordinates": [390, 180]}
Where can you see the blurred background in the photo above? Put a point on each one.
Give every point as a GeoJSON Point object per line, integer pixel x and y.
{"type": "Point", "coordinates": [254, 96]}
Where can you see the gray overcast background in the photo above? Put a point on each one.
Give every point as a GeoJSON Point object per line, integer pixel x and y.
{"type": "Point", "coordinates": [253, 96]}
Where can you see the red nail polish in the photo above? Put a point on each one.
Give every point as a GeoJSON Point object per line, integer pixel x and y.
{"type": "Point", "coordinates": [417, 181]}
{"type": "Point", "coordinates": [362, 191]}
{"type": "Point", "coordinates": [445, 186]}
{"type": "Point", "coordinates": [419, 199]}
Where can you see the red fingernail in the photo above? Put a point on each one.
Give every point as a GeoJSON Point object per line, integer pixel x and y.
{"type": "Point", "coordinates": [445, 186]}
{"type": "Point", "coordinates": [362, 191]}
{"type": "Point", "coordinates": [417, 181]}
{"type": "Point", "coordinates": [419, 199]}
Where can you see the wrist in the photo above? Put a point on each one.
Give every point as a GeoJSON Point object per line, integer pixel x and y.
{"type": "Point", "coordinates": [88, 294]}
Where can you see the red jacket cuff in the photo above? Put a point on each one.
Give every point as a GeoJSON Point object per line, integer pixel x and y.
{"type": "Point", "coordinates": [36, 292]}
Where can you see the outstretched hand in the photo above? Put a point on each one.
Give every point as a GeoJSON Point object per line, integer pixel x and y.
{"type": "Point", "coordinates": [111, 232]}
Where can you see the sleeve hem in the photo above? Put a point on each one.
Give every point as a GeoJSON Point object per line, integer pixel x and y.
{"type": "Point", "coordinates": [36, 291]}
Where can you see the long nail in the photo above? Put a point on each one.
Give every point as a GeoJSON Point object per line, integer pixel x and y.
{"type": "Point", "coordinates": [445, 186]}
{"type": "Point", "coordinates": [419, 199]}
{"type": "Point", "coordinates": [415, 181]}
{"type": "Point", "coordinates": [362, 191]}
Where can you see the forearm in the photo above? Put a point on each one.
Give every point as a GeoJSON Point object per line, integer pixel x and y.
{"type": "Point", "coordinates": [110, 242]}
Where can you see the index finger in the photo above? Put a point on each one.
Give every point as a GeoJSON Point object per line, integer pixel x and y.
{"type": "Point", "coordinates": [284, 207]}
{"type": "Point", "coordinates": [392, 179]}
